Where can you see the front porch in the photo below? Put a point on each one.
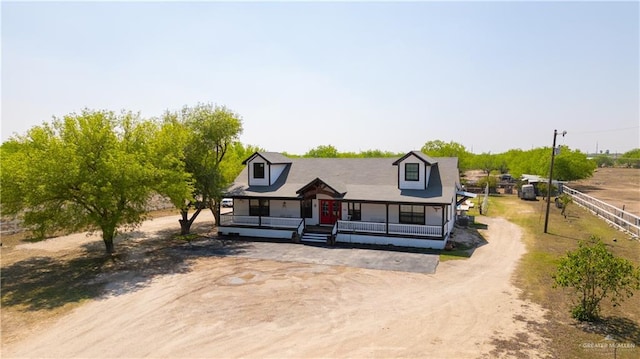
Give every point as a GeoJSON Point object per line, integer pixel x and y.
{"type": "Point", "coordinates": [260, 226]}
{"type": "Point", "coordinates": [411, 235]}
{"type": "Point", "coordinates": [413, 230]}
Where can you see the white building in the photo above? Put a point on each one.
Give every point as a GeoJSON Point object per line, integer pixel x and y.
{"type": "Point", "coordinates": [410, 201]}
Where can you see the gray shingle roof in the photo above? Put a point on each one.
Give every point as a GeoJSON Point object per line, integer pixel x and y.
{"type": "Point", "coordinates": [357, 179]}
{"type": "Point", "coordinates": [421, 156]}
{"type": "Point", "coordinates": [270, 157]}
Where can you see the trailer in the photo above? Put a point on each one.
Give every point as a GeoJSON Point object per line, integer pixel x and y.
{"type": "Point", "coordinates": [528, 192]}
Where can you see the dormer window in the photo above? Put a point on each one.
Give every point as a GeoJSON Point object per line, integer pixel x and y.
{"type": "Point", "coordinates": [414, 170]}
{"type": "Point", "coordinates": [258, 170]}
{"type": "Point", "coordinates": [265, 168]}
{"type": "Point", "coordinates": [411, 172]}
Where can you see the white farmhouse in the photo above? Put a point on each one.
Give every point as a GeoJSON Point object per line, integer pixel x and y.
{"type": "Point", "coordinates": [410, 201]}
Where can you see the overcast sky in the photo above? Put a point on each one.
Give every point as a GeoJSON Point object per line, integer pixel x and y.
{"type": "Point", "coordinates": [492, 76]}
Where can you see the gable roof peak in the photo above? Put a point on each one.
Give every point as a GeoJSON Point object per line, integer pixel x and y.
{"type": "Point", "coordinates": [421, 156]}
{"type": "Point", "coordinates": [270, 157]}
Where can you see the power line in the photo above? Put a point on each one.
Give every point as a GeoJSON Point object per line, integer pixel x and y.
{"type": "Point", "coordinates": [603, 131]}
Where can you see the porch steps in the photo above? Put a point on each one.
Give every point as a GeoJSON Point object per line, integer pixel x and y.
{"type": "Point", "coordinates": [314, 237]}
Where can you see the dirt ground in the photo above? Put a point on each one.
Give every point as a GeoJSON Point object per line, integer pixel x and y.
{"type": "Point", "coordinates": [616, 186]}
{"type": "Point", "coordinates": [230, 306]}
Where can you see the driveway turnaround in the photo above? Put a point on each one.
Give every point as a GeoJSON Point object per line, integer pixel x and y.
{"type": "Point", "coordinates": [338, 256]}
{"type": "Point", "coordinates": [229, 305]}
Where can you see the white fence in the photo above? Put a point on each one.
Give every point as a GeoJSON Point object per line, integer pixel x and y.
{"type": "Point", "coordinates": [394, 228]}
{"type": "Point", "coordinates": [231, 220]}
{"type": "Point", "coordinates": [615, 216]}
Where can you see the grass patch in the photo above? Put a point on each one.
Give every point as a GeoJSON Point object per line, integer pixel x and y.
{"type": "Point", "coordinates": [534, 275]}
{"type": "Point", "coordinates": [461, 251]}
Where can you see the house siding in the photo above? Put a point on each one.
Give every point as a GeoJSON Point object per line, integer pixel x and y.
{"type": "Point", "coordinates": [284, 208]}
{"type": "Point", "coordinates": [241, 207]}
{"type": "Point", "coordinates": [423, 175]}
{"type": "Point", "coordinates": [433, 215]}
{"type": "Point", "coordinates": [256, 232]}
{"type": "Point", "coordinates": [394, 241]}
{"type": "Point", "coordinates": [373, 212]}
{"type": "Point", "coordinates": [259, 181]}
{"type": "Point", "coordinates": [315, 213]}
{"type": "Point", "coordinates": [275, 172]}
{"type": "Point", "coordinates": [394, 213]}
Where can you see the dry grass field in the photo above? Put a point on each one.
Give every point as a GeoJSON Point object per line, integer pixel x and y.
{"type": "Point", "coordinates": [618, 333]}
{"type": "Point", "coordinates": [617, 186]}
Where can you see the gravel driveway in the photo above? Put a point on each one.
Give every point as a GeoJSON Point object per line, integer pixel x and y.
{"type": "Point", "coordinates": [233, 302]}
{"type": "Point", "coordinates": [349, 257]}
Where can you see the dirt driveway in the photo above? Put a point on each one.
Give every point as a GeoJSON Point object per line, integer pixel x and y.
{"type": "Point", "coordinates": [232, 306]}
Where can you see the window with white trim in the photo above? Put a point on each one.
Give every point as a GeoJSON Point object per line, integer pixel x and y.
{"type": "Point", "coordinates": [258, 170]}
{"type": "Point", "coordinates": [259, 207]}
{"type": "Point", "coordinates": [355, 213]}
{"type": "Point", "coordinates": [411, 172]}
{"type": "Point", "coordinates": [411, 214]}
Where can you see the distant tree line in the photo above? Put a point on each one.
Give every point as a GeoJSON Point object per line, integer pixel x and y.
{"type": "Point", "coordinates": [569, 164]}
{"type": "Point", "coordinates": [329, 151]}
{"type": "Point", "coordinates": [96, 170]}
{"type": "Point", "coordinates": [630, 159]}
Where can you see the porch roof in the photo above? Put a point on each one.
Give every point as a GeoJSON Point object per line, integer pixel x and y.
{"type": "Point", "coordinates": [358, 179]}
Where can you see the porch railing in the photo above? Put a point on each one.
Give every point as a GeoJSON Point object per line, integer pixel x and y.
{"type": "Point", "coordinates": [394, 228]}
{"type": "Point", "coordinates": [280, 222]}
{"type": "Point", "coordinates": [370, 227]}
{"type": "Point", "coordinates": [415, 230]}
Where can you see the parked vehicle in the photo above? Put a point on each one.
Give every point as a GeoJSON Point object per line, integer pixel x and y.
{"type": "Point", "coordinates": [226, 202]}
{"type": "Point", "coordinates": [528, 192]}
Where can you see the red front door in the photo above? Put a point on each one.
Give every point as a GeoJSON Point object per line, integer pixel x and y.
{"type": "Point", "coordinates": [329, 211]}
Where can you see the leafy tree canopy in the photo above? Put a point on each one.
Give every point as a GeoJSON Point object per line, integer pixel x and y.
{"type": "Point", "coordinates": [204, 133]}
{"type": "Point", "coordinates": [604, 160]}
{"type": "Point", "coordinates": [595, 273]}
{"type": "Point", "coordinates": [630, 158]}
{"type": "Point", "coordinates": [94, 170]}
{"type": "Point", "coordinates": [570, 165]}
{"type": "Point", "coordinates": [438, 148]}
{"type": "Point", "coordinates": [321, 151]}
{"type": "Point", "coordinates": [329, 151]}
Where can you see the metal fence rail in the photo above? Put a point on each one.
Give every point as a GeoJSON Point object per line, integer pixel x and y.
{"type": "Point", "coordinates": [615, 216]}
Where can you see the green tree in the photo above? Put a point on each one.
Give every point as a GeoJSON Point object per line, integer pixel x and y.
{"type": "Point", "coordinates": [438, 148]}
{"type": "Point", "coordinates": [87, 171]}
{"type": "Point", "coordinates": [491, 180]}
{"type": "Point", "coordinates": [595, 274]}
{"type": "Point", "coordinates": [205, 133]}
{"type": "Point", "coordinates": [603, 160]}
{"type": "Point", "coordinates": [630, 158]}
{"type": "Point", "coordinates": [378, 154]}
{"type": "Point", "coordinates": [521, 162]}
{"type": "Point", "coordinates": [323, 152]}
{"type": "Point", "coordinates": [486, 162]}
{"type": "Point", "coordinates": [571, 165]}
{"type": "Point", "coordinates": [232, 165]}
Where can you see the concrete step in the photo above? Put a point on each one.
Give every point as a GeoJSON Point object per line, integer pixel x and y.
{"type": "Point", "coordinates": [315, 237]}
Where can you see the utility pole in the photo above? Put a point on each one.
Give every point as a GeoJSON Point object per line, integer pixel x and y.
{"type": "Point", "coordinates": [553, 154]}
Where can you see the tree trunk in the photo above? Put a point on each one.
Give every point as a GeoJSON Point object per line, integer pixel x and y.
{"type": "Point", "coordinates": [215, 210]}
{"type": "Point", "coordinates": [107, 237]}
{"type": "Point", "coordinates": [186, 222]}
